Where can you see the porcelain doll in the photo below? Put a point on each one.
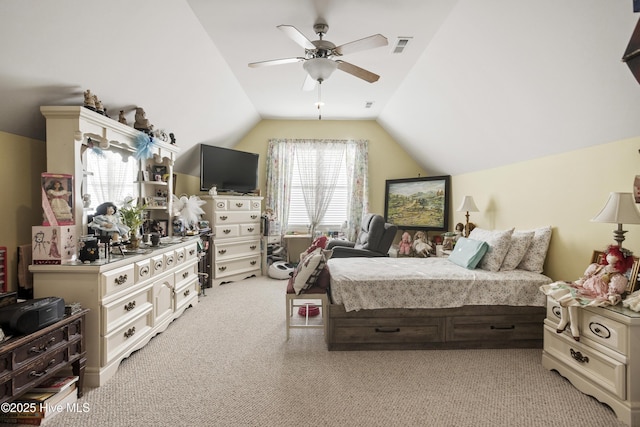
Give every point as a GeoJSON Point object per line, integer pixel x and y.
{"type": "Point", "coordinates": [602, 284]}
{"type": "Point", "coordinates": [108, 222]}
{"type": "Point", "coordinates": [58, 199]}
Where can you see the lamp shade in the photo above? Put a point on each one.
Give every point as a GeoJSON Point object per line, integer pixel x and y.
{"type": "Point", "coordinates": [320, 68]}
{"type": "Point", "coordinates": [620, 209]}
{"type": "Point", "coordinates": [468, 205]}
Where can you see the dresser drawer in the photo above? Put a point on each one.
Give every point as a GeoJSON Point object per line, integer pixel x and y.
{"type": "Point", "coordinates": [239, 205]}
{"type": "Point", "coordinates": [186, 273]}
{"type": "Point", "coordinates": [180, 256]}
{"type": "Point", "coordinates": [157, 265]}
{"type": "Point", "coordinates": [25, 378]}
{"type": "Point", "coordinates": [604, 331]}
{"type": "Point", "coordinates": [224, 218]}
{"type": "Point", "coordinates": [226, 231]}
{"type": "Point", "coordinates": [124, 338]}
{"type": "Point", "coordinates": [118, 280]}
{"type": "Point", "coordinates": [605, 372]}
{"type": "Point", "coordinates": [27, 352]}
{"type": "Point", "coordinates": [389, 330]}
{"type": "Point", "coordinates": [119, 312]}
{"type": "Point", "coordinates": [186, 293]}
{"type": "Point", "coordinates": [479, 328]}
{"type": "Point", "coordinates": [143, 270]}
{"type": "Point", "coordinates": [225, 251]}
{"type": "Point", "coordinates": [237, 266]}
{"type": "Point", "coordinates": [169, 259]}
{"type": "Point", "coordinates": [250, 229]}
{"type": "Point", "coordinates": [190, 252]}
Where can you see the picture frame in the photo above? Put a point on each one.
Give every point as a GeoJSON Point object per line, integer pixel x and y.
{"type": "Point", "coordinates": [631, 274]}
{"type": "Point", "coordinates": [418, 203]}
{"type": "Point", "coordinates": [163, 227]}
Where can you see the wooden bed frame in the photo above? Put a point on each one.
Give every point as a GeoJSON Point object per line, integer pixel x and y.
{"type": "Point", "coordinates": [441, 328]}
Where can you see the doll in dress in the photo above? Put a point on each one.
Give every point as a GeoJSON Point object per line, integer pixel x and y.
{"type": "Point", "coordinates": [59, 201]}
{"type": "Point", "coordinates": [108, 222]}
{"type": "Point", "coordinates": [405, 244]}
{"type": "Point", "coordinates": [602, 284]}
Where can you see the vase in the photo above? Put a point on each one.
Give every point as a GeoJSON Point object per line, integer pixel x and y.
{"type": "Point", "coordinates": [134, 242]}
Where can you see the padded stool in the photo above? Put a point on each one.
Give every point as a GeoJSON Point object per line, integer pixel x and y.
{"type": "Point", "coordinates": [315, 293]}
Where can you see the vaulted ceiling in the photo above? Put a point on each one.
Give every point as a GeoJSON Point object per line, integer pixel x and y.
{"type": "Point", "coordinates": [480, 84]}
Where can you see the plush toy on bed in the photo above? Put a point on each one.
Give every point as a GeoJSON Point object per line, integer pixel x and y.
{"type": "Point", "coordinates": [602, 284]}
{"type": "Point", "coordinates": [405, 244]}
{"type": "Point", "coordinates": [421, 245]}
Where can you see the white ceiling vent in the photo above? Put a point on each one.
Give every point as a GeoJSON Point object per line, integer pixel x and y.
{"type": "Point", "coordinates": [401, 44]}
{"type": "Point", "coordinates": [368, 104]}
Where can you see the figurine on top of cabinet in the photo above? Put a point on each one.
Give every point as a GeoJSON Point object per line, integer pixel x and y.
{"type": "Point", "coordinates": [142, 123]}
{"type": "Point", "coordinates": [121, 118]}
{"type": "Point", "coordinates": [108, 222]}
{"type": "Point", "coordinates": [89, 102]}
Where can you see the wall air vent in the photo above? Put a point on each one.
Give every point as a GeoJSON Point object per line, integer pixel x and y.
{"type": "Point", "coordinates": [368, 104]}
{"type": "Point", "coordinates": [401, 44]}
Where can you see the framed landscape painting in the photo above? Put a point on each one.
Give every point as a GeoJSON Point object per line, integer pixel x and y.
{"type": "Point", "coordinates": [418, 203]}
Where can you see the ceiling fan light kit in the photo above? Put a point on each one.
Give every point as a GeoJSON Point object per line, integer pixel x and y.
{"type": "Point", "coordinates": [320, 69]}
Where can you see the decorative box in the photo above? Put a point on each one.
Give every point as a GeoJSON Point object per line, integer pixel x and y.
{"type": "Point", "coordinates": [53, 244]}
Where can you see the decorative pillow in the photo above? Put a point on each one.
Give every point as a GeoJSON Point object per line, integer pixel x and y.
{"type": "Point", "coordinates": [498, 242]}
{"type": "Point", "coordinates": [308, 270]}
{"type": "Point", "coordinates": [533, 260]}
{"type": "Point", "coordinates": [468, 252]}
{"type": "Point", "coordinates": [520, 242]}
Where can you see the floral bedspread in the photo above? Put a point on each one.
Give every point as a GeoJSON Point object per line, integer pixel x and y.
{"type": "Point", "coordinates": [371, 283]}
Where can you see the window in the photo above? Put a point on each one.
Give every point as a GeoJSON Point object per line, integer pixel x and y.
{"type": "Point", "coordinates": [110, 177]}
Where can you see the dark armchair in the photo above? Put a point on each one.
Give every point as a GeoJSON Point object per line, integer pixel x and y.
{"type": "Point", "coordinates": [374, 239]}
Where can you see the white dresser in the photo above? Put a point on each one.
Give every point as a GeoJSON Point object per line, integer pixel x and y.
{"type": "Point", "coordinates": [235, 222]}
{"type": "Point", "coordinates": [131, 299]}
{"type": "Point", "coordinates": [605, 361]}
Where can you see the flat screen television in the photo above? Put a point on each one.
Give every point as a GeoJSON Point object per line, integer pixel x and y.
{"type": "Point", "coordinates": [227, 169]}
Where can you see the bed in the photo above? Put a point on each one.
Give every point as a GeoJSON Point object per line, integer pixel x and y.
{"type": "Point", "coordinates": [432, 303]}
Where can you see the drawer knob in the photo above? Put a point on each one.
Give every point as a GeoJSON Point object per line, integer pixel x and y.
{"type": "Point", "coordinates": [223, 268]}
{"type": "Point", "coordinates": [130, 332]}
{"type": "Point", "coordinates": [222, 251]}
{"type": "Point", "coordinates": [187, 292]}
{"type": "Point", "coordinates": [226, 231]}
{"type": "Point", "coordinates": [144, 271]}
{"type": "Point", "coordinates": [253, 247]}
{"type": "Point", "coordinates": [223, 217]}
{"type": "Point", "coordinates": [254, 216]}
{"type": "Point", "coordinates": [120, 279]}
{"type": "Point", "coordinates": [239, 204]}
{"type": "Point", "coordinates": [254, 262]}
{"type": "Point", "coordinates": [192, 251]}
{"type": "Point", "coordinates": [169, 261]}
{"type": "Point", "coordinates": [130, 306]}
{"type": "Point", "coordinates": [181, 256]}
{"type": "Point", "coordinates": [250, 229]}
{"type": "Point", "coordinates": [556, 311]}
{"type": "Point", "coordinates": [43, 372]}
{"type": "Point", "coordinates": [579, 357]}
{"type": "Point", "coordinates": [185, 274]}
{"type": "Point", "coordinates": [158, 265]}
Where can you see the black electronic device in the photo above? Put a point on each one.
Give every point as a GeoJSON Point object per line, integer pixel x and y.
{"type": "Point", "coordinates": [32, 315]}
{"type": "Point", "coordinates": [227, 169]}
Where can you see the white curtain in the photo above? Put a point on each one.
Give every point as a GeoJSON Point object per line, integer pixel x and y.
{"type": "Point", "coordinates": [319, 161]}
{"type": "Point", "coordinates": [111, 177]}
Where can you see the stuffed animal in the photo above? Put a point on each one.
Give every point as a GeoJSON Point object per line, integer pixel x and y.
{"type": "Point", "coordinates": [602, 284]}
{"type": "Point", "coordinates": [421, 245]}
{"type": "Point", "coordinates": [405, 244]}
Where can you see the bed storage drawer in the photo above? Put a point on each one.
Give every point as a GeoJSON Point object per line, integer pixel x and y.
{"type": "Point", "coordinates": [491, 328]}
{"type": "Point", "coordinates": [388, 331]}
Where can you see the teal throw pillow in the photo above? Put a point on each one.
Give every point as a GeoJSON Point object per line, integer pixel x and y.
{"type": "Point", "coordinates": [467, 253]}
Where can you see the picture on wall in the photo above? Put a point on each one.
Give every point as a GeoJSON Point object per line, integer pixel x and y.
{"type": "Point", "coordinates": [418, 203]}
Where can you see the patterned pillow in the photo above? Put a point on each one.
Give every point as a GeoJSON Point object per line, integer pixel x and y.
{"type": "Point", "coordinates": [533, 260]}
{"type": "Point", "coordinates": [498, 242]}
{"type": "Point", "coordinates": [520, 242]}
{"type": "Point", "coordinates": [308, 270]}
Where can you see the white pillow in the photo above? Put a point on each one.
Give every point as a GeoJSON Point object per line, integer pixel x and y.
{"type": "Point", "coordinates": [533, 260]}
{"type": "Point", "coordinates": [520, 243]}
{"type": "Point", "coordinates": [308, 270]}
{"type": "Point", "coordinates": [498, 241]}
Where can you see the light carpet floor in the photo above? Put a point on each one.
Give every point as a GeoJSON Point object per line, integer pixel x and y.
{"type": "Point", "coordinates": [226, 362]}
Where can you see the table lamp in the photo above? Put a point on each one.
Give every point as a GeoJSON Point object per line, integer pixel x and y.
{"type": "Point", "coordinates": [468, 205]}
{"type": "Point", "coordinates": [619, 209]}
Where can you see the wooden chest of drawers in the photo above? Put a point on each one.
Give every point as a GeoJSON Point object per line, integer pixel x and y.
{"type": "Point", "coordinates": [28, 360]}
{"type": "Point", "coordinates": [605, 363]}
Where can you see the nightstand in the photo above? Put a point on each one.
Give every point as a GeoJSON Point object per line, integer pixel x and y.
{"type": "Point", "coordinates": [605, 363]}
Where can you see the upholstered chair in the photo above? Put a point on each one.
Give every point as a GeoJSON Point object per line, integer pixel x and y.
{"type": "Point", "coordinates": [374, 239]}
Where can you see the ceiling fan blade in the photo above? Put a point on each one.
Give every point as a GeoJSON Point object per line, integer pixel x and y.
{"type": "Point", "coordinates": [275, 62]}
{"type": "Point", "coordinates": [370, 42]}
{"type": "Point", "coordinates": [357, 71]}
{"type": "Point", "coordinates": [309, 83]}
{"type": "Point", "coordinates": [294, 34]}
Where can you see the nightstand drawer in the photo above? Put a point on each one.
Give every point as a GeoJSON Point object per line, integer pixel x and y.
{"type": "Point", "coordinates": [604, 331]}
{"type": "Point", "coordinates": [601, 370]}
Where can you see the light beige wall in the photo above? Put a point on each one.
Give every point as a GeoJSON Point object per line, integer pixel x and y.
{"type": "Point", "coordinates": [564, 191]}
{"type": "Point", "coordinates": [23, 160]}
{"type": "Point", "coordinates": [387, 160]}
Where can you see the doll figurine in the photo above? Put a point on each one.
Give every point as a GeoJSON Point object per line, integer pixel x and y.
{"type": "Point", "coordinates": [602, 284]}
{"type": "Point", "coordinates": [59, 201]}
{"type": "Point", "coordinates": [405, 244]}
{"type": "Point", "coordinates": [421, 245]}
{"type": "Point", "coordinates": [107, 222]}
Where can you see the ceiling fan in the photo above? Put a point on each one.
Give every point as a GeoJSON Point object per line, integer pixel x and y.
{"type": "Point", "coordinates": [318, 60]}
